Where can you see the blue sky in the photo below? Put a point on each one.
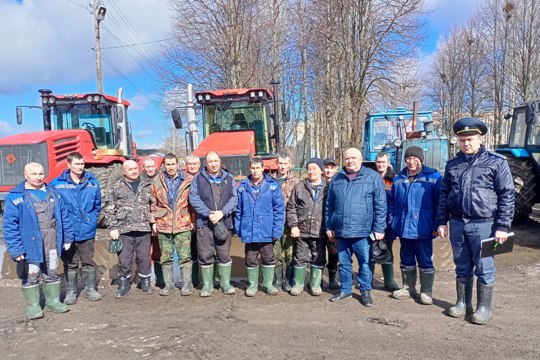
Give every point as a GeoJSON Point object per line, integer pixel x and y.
{"type": "Point", "coordinates": [47, 44]}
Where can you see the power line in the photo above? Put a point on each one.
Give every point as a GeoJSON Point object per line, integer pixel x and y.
{"type": "Point", "coordinates": [130, 45]}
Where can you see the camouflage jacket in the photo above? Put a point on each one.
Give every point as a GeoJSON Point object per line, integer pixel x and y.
{"type": "Point", "coordinates": [127, 211]}
{"type": "Point", "coordinates": [176, 218]}
{"type": "Point", "coordinates": [287, 185]}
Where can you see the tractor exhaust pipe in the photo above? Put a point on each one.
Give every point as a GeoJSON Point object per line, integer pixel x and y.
{"type": "Point", "coordinates": [414, 115]}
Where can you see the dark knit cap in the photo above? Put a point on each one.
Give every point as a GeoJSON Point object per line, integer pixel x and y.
{"type": "Point", "coordinates": [415, 151]}
{"type": "Point", "coordinates": [315, 161]}
{"type": "Point", "coordinates": [329, 161]}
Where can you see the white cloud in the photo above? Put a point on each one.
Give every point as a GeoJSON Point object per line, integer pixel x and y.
{"type": "Point", "coordinates": [6, 128]}
{"type": "Point", "coordinates": [448, 13]}
{"type": "Point", "coordinates": [138, 102]}
{"type": "Point", "coordinates": [51, 41]}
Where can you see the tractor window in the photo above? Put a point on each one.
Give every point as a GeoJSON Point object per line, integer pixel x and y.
{"type": "Point", "coordinates": [242, 115]}
{"type": "Point", "coordinates": [534, 134]}
{"type": "Point", "coordinates": [518, 130]}
{"type": "Point", "coordinates": [383, 131]}
{"type": "Point", "coordinates": [92, 117]}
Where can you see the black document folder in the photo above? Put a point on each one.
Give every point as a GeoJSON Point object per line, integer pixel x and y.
{"type": "Point", "coordinates": [489, 248]}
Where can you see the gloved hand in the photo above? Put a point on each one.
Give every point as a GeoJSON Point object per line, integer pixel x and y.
{"type": "Point", "coordinates": [67, 246]}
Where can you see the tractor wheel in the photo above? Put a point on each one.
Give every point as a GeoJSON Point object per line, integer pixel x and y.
{"type": "Point", "coordinates": [107, 176]}
{"type": "Point", "coordinates": [524, 182]}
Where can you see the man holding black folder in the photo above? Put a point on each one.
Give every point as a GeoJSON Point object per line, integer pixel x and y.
{"type": "Point", "coordinates": [477, 197]}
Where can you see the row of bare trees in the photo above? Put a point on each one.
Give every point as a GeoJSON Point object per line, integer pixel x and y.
{"type": "Point", "coordinates": [338, 59]}
{"type": "Point", "coordinates": [489, 65]}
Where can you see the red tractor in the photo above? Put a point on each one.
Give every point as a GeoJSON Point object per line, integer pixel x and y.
{"type": "Point", "coordinates": [95, 125]}
{"type": "Point", "coordinates": [238, 124]}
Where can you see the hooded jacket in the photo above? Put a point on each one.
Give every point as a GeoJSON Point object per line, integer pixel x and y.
{"type": "Point", "coordinates": [83, 202]}
{"type": "Point", "coordinates": [171, 218]}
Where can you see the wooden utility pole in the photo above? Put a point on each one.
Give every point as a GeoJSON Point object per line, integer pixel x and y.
{"type": "Point", "coordinates": [99, 15]}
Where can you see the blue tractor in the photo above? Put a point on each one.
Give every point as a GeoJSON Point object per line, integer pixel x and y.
{"type": "Point", "coordinates": [523, 154]}
{"type": "Point", "coordinates": [394, 130]}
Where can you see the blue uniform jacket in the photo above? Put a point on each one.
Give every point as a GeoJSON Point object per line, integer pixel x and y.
{"type": "Point", "coordinates": [356, 208]}
{"type": "Point", "coordinates": [83, 202]}
{"type": "Point", "coordinates": [479, 189]}
{"type": "Point", "coordinates": [412, 206]}
{"type": "Point", "coordinates": [21, 227]}
{"type": "Point", "coordinates": [261, 219]}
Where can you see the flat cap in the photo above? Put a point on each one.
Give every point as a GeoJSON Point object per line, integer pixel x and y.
{"type": "Point", "coordinates": [470, 126]}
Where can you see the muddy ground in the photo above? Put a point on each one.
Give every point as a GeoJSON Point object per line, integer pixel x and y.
{"type": "Point", "coordinates": [287, 327]}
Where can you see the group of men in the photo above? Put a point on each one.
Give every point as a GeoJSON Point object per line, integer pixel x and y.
{"type": "Point", "coordinates": [287, 224]}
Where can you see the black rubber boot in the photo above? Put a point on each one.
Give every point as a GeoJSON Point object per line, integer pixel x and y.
{"type": "Point", "coordinates": [89, 274]}
{"type": "Point", "coordinates": [158, 272]}
{"type": "Point", "coordinates": [482, 315]}
{"type": "Point", "coordinates": [288, 282]}
{"type": "Point", "coordinates": [278, 277]}
{"type": "Point", "coordinates": [71, 286]}
{"type": "Point", "coordinates": [124, 285]}
{"type": "Point", "coordinates": [427, 278]}
{"type": "Point", "coordinates": [464, 298]}
{"type": "Point", "coordinates": [366, 298]}
{"type": "Point", "coordinates": [409, 285]}
{"type": "Point", "coordinates": [145, 285]}
{"type": "Point", "coordinates": [388, 274]}
{"type": "Point", "coordinates": [332, 282]}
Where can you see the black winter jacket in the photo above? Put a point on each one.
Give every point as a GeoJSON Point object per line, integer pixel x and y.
{"type": "Point", "coordinates": [479, 189]}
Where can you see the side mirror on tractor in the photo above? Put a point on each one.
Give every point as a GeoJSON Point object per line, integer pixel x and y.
{"type": "Point", "coordinates": [19, 116]}
{"type": "Point", "coordinates": [177, 119]}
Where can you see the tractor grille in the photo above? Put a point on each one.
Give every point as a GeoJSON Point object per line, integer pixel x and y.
{"type": "Point", "coordinates": [235, 165]}
{"type": "Point", "coordinates": [13, 158]}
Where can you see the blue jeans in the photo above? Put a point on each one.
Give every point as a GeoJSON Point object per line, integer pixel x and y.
{"type": "Point", "coordinates": [361, 249]}
{"type": "Point", "coordinates": [466, 238]}
{"type": "Point", "coordinates": [415, 250]}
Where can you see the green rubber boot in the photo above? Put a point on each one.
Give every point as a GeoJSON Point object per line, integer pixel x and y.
{"type": "Point", "coordinates": [168, 278]}
{"type": "Point", "coordinates": [388, 274]}
{"type": "Point", "coordinates": [427, 278]}
{"type": "Point", "coordinates": [253, 280]}
{"type": "Point", "coordinates": [225, 278]}
{"type": "Point", "coordinates": [268, 272]}
{"type": "Point", "coordinates": [187, 286]}
{"type": "Point", "coordinates": [207, 272]}
{"type": "Point", "coordinates": [52, 298]}
{"type": "Point", "coordinates": [315, 280]}
{"type": "Point", "coordinates": [31, 295]}
{"type": "Point", "coordinates": [90, 292]}
{"type": "Point", "coordinates": [299, 279]}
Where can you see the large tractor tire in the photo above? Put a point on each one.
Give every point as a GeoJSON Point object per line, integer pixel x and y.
{"type": "Point", "coordinates": [107, 176]}
{"type": "Point", "coordinates": [525, 184]}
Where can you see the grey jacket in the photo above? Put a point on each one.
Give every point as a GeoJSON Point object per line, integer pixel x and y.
{"type": "Point", "coordinates": [127, 211]}
{"type": "Point", "coordinates": [306, 212]}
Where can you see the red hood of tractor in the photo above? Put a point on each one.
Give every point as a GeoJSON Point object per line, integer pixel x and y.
{"type": "Point", "coordinates": [37, 137]}
{"type": "Point", "coordinates": [228, 143]}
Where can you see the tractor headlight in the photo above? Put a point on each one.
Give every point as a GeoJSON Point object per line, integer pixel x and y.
{"type": "Point", "coordinates": [252, 94]}
{"type": "Point", "coordinates": [397, 143]}
{"type": "Point", "coordinates": [200, 98]}
{"type": "Point", "coordinates": [453, 140]}
{"type": "Point", "coordinates": [207, 97]}
{"type": "Point", "coordinates": [97, 98]}
{"type": "Point", "coordinates": [89, 98]}
{"type": "Point", "coordinates": [45, 100]}
{"type": "Point", "coordinates": [261, 94]}
{"type": "Point", "coordinates": [52, 100]}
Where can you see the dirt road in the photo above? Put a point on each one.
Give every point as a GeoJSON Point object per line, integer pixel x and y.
{"type": "Point", "coordinates": [286, 327]}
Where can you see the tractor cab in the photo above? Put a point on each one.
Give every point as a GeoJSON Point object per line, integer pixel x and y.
{"type": "Point", "coordinates": [233, 110]}
{"type": "Point", "coordinates": [103, 116]}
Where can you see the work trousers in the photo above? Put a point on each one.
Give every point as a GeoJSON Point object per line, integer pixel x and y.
{"type": "Point", "coordinates": [310, 251]}
{"type": "Point", "coordinates": [181, 242]}
{"type": "Point", "coordinates": [79, 252]}
{"type": "Point", "coordinates": [138, 244]}
{"type": "Point", "coordinates": [211, 249]}
{"type": "Point", "coordinates": [264, 249]}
